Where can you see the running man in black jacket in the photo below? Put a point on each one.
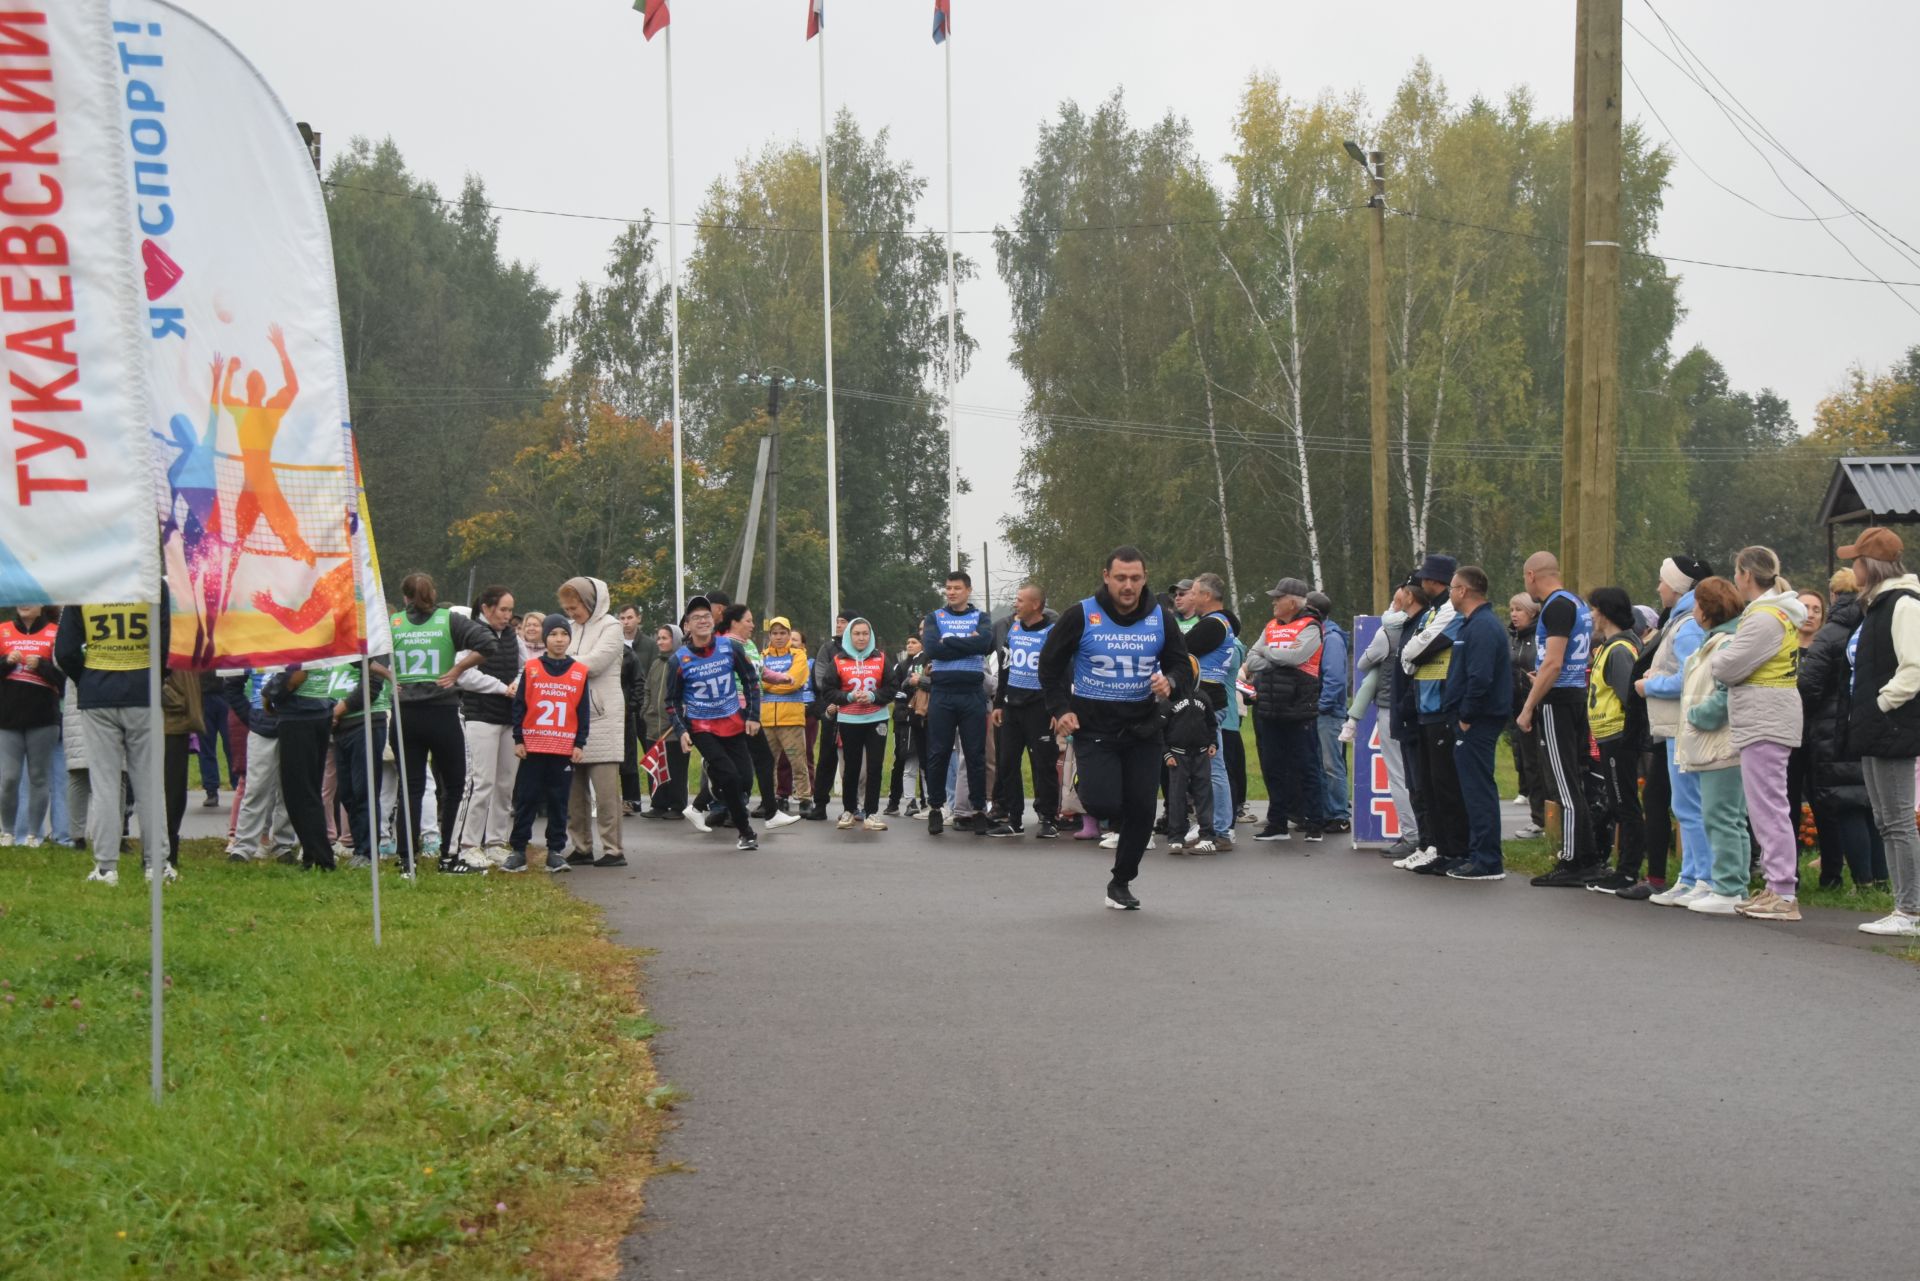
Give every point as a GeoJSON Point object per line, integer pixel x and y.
{"type": "Point", "coordinates": [1106, 662]}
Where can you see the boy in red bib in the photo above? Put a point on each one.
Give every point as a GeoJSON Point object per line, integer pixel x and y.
{"type": "Point", "coordinates": [551, 712]}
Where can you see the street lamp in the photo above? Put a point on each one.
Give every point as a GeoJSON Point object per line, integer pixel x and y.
{"type": "Point", "coordinates": [1375, 163]}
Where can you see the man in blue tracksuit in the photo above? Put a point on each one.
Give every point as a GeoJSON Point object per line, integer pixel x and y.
{"type": "Point", "coordinates": [957, 639]}
{"type": "Point", "coordinates": [1478, 699]}
{"type": "Point", "coordinates": [1335, 659]}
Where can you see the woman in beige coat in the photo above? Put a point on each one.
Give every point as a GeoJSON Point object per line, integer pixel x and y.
{"type": "Point", "coordinates": [597, 642]}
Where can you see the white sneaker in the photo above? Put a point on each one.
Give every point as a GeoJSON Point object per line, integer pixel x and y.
{"type": "Point", "coordinates": [1713, 904]}
{"type": "Point", "coordinates": [30, 842]}
{"type": "Point", "coordinates": [874, 824]}
{"type": "Point", "coordinates": [1531, 832]}
{"type": "Point", "coordinates": [847, 820]}
{"type": "Point", "coordinates": [1193, 833]}
{"type": "Point", "coordinates": [697, 819]}
{"type": "Point", "coordinates": [1518, 800]}
{"type": "Point", "coordinates": [779, 821]}
{"type": "Point", "coordinates": [1111, 841]}
{"type": "Point", "coordinates": [1419, 858]}
{"type": "Point", "coordinates": [173, 873]}
{"type": "Point", "coordinates": [1699, 891]}
{"type": "Point", "coordinates": [6, 840]}
{"type": "Point", "coordinates": [1898, 925]}
{"type": "Point", "coordinates": [1671, 896]}
{"type": "Point", "coordinates": [103, 875]}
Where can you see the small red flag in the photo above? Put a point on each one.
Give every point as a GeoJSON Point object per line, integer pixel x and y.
{"type": "Point", "coordinates": [656, 14]}
{"type": "Point", "coordinates": [655, 761]}
{"type": "Point", "coordinates": [816, 17]}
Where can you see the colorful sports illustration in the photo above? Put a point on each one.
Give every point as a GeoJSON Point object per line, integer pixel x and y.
{"type": "Point", "coordinates": [256, 545]}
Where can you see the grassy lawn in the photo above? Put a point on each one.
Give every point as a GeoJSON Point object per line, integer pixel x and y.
{"type": "Point", "coordinates": [473, 1100]}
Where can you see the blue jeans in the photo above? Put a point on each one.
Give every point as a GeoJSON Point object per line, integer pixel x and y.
{"type": "Point", "coordinates": [1473, 752]}
{"type": "Point", "coordinates": [213, 710]}
{"type": "Point", "coordinates": [1696, 854]}
{"type": "Point", "coordinates": [1333, 765]}
{"type": "Point", "coordinates": [1222, 791]}
{"type": "Point", "coordinates": [958, 708]}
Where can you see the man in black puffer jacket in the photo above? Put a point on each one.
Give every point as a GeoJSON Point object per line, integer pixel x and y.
{"type": "Point", "coordinates": [1841, 811]}
{"type": "Point", "coordinates": [1284, 669]}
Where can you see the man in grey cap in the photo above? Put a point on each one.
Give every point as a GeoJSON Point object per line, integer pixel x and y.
{"type": "Point", "coordinates": [1181, 605]}
{"type": "Point", "coordinates": [1284, 670]}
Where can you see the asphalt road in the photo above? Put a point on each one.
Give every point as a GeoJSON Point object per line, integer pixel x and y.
{"type": "Point", "coordinates": [910, 1057]}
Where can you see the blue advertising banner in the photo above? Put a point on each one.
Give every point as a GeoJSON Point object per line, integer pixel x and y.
{"type": "Point", "coordinates": [1376, 820]}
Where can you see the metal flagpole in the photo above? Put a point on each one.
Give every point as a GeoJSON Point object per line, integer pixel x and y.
{"type": "Point", "coordinates": [154, 844]}
{"type": "Point", "coordinates": [953, 306]}
{"type": "Point", "coordinates": [826, 288]}
{"type": "Point", "coordinates": [412, 844]}
{"type": "Point", "coordinates": [373, 783]}
{"type": "Point", "coordinates": [673, 276]}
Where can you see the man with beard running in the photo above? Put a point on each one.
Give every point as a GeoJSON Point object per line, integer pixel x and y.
{"type": "Point", "coordinates": [1106, 662]}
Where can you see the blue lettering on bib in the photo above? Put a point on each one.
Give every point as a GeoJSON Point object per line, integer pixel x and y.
{"type": "Point", "coordinates": [1023, 655]}
{"type": "Point", "coordinates": [1216, 668]}
{"type": "Point", "coordinates": [1115, 664]}
{"type": "Point", "coordinates": [709, 690]}
{"type": "Point", "coordinates": [1573, 669]}
{"type": "Point", "coordinates": [967, 624]}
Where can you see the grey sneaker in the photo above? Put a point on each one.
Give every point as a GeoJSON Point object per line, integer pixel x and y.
{"type": "Point", "coordinates": [517, 862]}
{"type": "Point", "coordinates": [556, 864]}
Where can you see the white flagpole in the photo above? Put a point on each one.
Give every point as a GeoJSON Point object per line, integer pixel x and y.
{"type": "Point", "coordinates": [673, 276]}
{"type": "Point", "coordinates": [826, 287]}
{"type": "Point", "coordinates": [411, 866]}
{"type": "Point", "coordinates": [373, 783]}
{"type": "Point", "coordinates": [154, 843]}
{"type": "Point", "coordinates": [953, 306]}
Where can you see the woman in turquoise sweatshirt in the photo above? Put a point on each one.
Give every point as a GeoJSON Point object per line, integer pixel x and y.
{"type": "Point", "coordinates": [860, 687]}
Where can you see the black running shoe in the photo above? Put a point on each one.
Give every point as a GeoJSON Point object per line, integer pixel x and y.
{"type": "Point", "coordinates": [818, 814]}
{"type": "Point", "coordinates": [1339, 825]}
{"type": "Point", "coordinates": [611, 860]}
{"type": "Point", "coordinates": [1441, 866]}
{"type": "Point", "coordinates": [1315, 834]}
{"type": "Point", "coordinates": [1272, 833]}
{"type": "Point", "coordinates": [892, 811]}
{"type": "Point", "coordinates": [211, 803]}
{"type": "Point", "coordinates": [1563, 876]}
{"type": "Point", "coordinates": [1610, 882]}
{"type": "Point", "coordinates": [1120, 899]}
{"type": "Point", "coordinates": [747, 842]}
{"type": "Point", "coordinates": [457, 866]}
{"type": "Point", "coordinates": [659, 814]}
{"type": "Point", "coordinates": [1003, 828]}
{"type": "Point", "coordinates": [1638, 892]}
{"type": "Point", "coordinates": [1399, 849]}
{"type": "Point", "coordinates": [1471, 871]}
{"type": "Point", "coordinates": [935, 823]}
{"type": "Point", "coordinates": [581, 858]}
{"type": "Point", "coordinates": [1046, 831]}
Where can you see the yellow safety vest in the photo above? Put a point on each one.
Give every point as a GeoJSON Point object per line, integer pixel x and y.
{"type": "Point", "coordinates": [116, 637]}
{"type": "Point", "coordinates": [1782, 670]}
{"type": "Point", "coordinates": [1606, 714]}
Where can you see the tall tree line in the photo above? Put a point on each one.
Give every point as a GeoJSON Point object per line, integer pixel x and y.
{"type": "Point", "coordinates": [1194, 341]}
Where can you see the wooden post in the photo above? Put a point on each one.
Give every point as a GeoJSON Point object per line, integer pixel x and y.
{"type": "Point", "coordinates": [1570, 422]}
{"type": "Point", "coordinates": [1600, 354]}
{"type": "Point", "coordinates": [1377, 378]}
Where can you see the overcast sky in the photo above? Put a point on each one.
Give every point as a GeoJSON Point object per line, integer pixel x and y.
{"type": "Point", "coordinates": [558, 104]}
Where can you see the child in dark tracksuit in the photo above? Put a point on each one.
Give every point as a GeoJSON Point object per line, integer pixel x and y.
{"type": "Point", "coordinates": [1189, 760]}
{"type": "Point", "coordinates": [551, 714]}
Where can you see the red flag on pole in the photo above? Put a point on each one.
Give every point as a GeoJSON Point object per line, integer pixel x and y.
{"type": "Point", "coordinates": [942, 21]}
{"type": "Point", "coordinates": [816, 17]}
{"type": "Point", "coordinates": [656, 15]}
{"type": "Point", "coordinates": [655, 761]}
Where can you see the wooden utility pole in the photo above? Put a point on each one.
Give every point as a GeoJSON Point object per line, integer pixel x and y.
{"type": "Point", "coordinates": [1570, 422]}
{"type": "Point", "coordinates": [1600, 348]}
{"type": "Point", "coordinates": [1377, 377]}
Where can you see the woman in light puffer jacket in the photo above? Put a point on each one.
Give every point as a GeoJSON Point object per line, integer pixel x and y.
{"type": "Point", "coordinates": [1705, 749]}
